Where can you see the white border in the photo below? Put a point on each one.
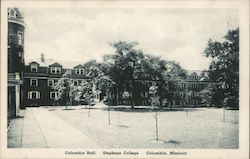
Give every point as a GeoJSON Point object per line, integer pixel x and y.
{"type": "Point", "coordinates": [242, 5]}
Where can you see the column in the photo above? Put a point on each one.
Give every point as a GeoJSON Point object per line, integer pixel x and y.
{"type": "Point", "coordinates": [17, 92]}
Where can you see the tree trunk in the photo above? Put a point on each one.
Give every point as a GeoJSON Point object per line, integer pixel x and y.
{"type": "Point", "coordinates": [109, 115]}
{"type": "Point", "coordinates": [116, 95]}
{"type": "Point", "coordinates": [132, 101]}
{"type": "Point", "coordinates": [224, 114]}
{"type": "Point", "coordinates": [156, 125]}
{"type": "Point", "coordinates": [89, 111]}
{"type": "Point", "coordinates": [133, 94]}
{"type": "Point", "coordinates": [70, 99]}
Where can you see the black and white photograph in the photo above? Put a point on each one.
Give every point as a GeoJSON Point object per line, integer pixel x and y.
{"type": "Point", "coordinates": [125, 79]}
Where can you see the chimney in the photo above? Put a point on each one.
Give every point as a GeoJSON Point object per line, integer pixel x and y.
{"type": "Point", "coordinates": [42, 57]}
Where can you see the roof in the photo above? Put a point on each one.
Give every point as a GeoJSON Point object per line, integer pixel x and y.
{"type": "Point", "coordinates": [79, 66]}
{"type": "Point", "coordinates": [198, 72]}
{"type": "Point", "coordinates": [34, 62]}
{"type": "Point", "coordinates": [56, 64]}
{"type": "Point", "coordinates": [17, 14]}
{"type": "Point", "coordinates": [48, 62]}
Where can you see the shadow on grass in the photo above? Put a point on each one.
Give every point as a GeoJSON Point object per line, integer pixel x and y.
{"type": "Point", "coordinates": [230, 122]}
{"type": "Point", "coordinates": [173, 142]}
{"type": "Point", "coordinates": [160, 141]}
{"type": "Point", "coordinates": [61, 109]}
{"type": "Point", "coordinates": [52, 109]}
{"type": "Point", "coordinates": [232, 109]}
{"type": "Point", "coordinates": [122, 126]}
{"type": "Point", "coordinates": [68, 109]}
{"type": "Point", "coordinates": [89, 108]}
{"type": "Point", "coordinates": [145, 110]}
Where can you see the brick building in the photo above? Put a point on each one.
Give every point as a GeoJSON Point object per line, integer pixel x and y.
{"type": "Point", "coordinates": [41, 74]}
{"type": "Point", "coordinates": [187, 89]}
{"type": "Point", "coordinates": [16, 28]}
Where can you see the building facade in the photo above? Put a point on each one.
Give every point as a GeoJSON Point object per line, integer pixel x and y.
{"type": "Point", "coordinates": [183, 91]}
{"type": "Point", "coordinates": [16, 28]}
{"type": "Point", "coordinates": [40, 76]}
{"type": "Point", "coordinates": [187, 89]}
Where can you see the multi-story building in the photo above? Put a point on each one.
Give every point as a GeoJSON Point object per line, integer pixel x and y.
{"type": "Point", "coordinates": [39, 77]}
{"type": "Point", "coordinates": [187, 89]}
{"type": "Point", "coordinates": [183, 90]}
{"type": "Point", "coordinates": [16, 29]}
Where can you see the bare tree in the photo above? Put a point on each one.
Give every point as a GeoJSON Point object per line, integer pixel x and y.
{"type": "Point", "coordinates": [155, 103]}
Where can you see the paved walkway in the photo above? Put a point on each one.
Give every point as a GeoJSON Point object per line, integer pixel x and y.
{"type": "Point", "coordinates": [41, 129]}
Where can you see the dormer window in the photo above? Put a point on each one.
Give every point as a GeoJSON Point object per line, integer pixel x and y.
{"type": "Point", "coordinates": [55, 70]}
{"type": "Point", "coordinates": [68, 71]}
{"type": "Point", "coordinates": [34, 68]}
{"type": "Point", "coordinates": [79, 71]}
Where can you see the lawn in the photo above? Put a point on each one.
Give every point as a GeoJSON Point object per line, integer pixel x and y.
{"type": "Point", "coordinates": [202, 128]}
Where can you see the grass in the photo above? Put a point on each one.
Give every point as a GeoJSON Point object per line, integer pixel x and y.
{"type": "Point", "coordinates": [203, 128]}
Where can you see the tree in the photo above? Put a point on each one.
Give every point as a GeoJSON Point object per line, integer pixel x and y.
{"type": "Point", "coordinates": [155, 103]}
{"type": "Point", "coordinates": [125, 62]}
{"type": "Point", "coordinates": [188, 97]}
{"type": "Point", "coordinates": [174, 72]}
{"type": "Point", "coordinates": [92, 69]}
{"type": "Point", "coordinates": [224, 68]}
{"type": "Point", "coordinates": [65, 90]}
{"type": "Point", "coordinates": [207, 95]}
{"type": "Point", "coordinates": [129, 63]}
{"type": "Point", "coordinates": [126, 96]}
{"type": "Point", "coordinates": [105, 84]}
{"type": "Point", "coordinates": [85, 93]}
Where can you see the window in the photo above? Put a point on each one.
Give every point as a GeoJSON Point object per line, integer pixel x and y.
{"type": "Point", "coordinates": [33, 95]}
{"type": "Point", "coordinates": [20, 54]}
{"type": "Point", "coordinates": [58, 70]}
{"type": "Point", "coordinates": [183, 85]}
{"type": "Point", "coordinates": [181, 93]}
{"type": "Point", "coordinates": [68, 71]}
{"type": "Point", "coordinates": [33, 82]}
{"type": "Point", "coordinates": [50, 82]}
{"type": "Point", "coordinates": [20, 38]}
{"type": "Point", "coordinates": [81, 82]}
{"type": "Point", "coordinates": [75, 83]}
{"type": "Point", "coordinates": [55, 70]}
{"type": "Point", "coordinates": [53, 95]}
{"type": "Point", "coordinates": [79, 71]}
{"type": "Point", "coordinates": [33, 68]}
{"type": "Point", "coordinates": [150, 83]}
{"type": "Point", "coordinates": [12, 13]}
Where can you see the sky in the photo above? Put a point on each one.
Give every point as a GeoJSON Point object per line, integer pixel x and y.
{"type": "Point", "coordinates": [82, 34]}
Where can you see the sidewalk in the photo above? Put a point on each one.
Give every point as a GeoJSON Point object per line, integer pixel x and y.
{"type": "Point", "coordinates": [41, 129]}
